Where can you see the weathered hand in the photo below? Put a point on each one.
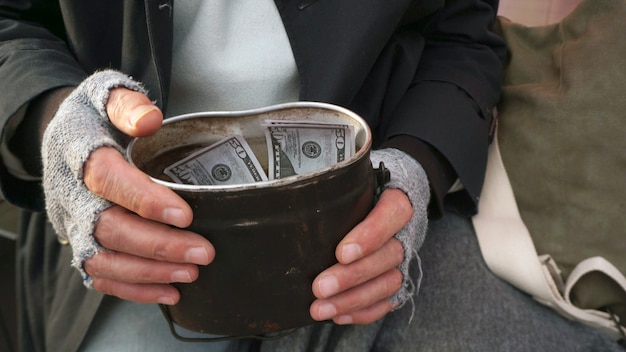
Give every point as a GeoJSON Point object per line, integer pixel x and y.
{"type": "Point", "coordinates": [145, 253]}
{"type": "Point", "coordinates": [356, 290]}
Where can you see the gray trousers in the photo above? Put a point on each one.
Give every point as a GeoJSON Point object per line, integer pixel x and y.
{"type": "Point", "coordinates": [461, 306]}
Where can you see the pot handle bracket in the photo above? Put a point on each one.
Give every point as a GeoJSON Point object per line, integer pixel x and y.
{"type": "Point", "coordinates": [381, 178]}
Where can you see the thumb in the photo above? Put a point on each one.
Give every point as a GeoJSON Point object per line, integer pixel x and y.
{"type": "Point", "coordinates": [133, 113]}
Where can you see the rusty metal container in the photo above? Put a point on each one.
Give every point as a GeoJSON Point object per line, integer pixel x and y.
{"type": "Point", "coordinates": [271, 238]}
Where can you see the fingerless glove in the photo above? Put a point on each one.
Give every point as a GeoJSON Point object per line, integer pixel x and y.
{"type": "Point", "coordinates": [80, 126]}
{"type": "Point", "coordinates": [409, 176]}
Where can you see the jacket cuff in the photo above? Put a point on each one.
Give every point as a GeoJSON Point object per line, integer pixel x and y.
{"type": "Point", "coordinates": [441, 175]}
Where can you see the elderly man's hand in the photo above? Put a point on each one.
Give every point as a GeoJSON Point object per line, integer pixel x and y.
{"type": "Point", "coordinates": [145, 252]}
{"type": "Point", "coordinates": [357, 289]}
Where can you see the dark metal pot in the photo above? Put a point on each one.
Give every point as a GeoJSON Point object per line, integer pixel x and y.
{"type": "Point", "coordinates": [271, 238]}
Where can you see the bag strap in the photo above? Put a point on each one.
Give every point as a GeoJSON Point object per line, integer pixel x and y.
{"type": "Point", "coordinates": [509, 252]}
{"type": "Point", "coordinates": [594, 283]}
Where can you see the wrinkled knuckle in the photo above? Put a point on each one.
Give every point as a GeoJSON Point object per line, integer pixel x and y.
{"type": "Point", "coordinates": [107, 232]}
{"type": "Point", "coordinates": [99, 265]}
{"type": "Point", "coordinates": [356, 276]}
{"type": "Point", "coordinates": [396, 250]}
{"type": "Point", "coordinates": [144, 206]}
{"type": "Point", "coordinates": [119, 101]}
{"type": "Point", "coordinates": [98, 179]}
{"type": "Point", "coordinates": [145, 275]}
{"type": "Point", "coordinates": [395, 282]}
{"type": "Point", "coordinates": [104, 226]}
{"type": "Point", "coordinates": [160, 251]}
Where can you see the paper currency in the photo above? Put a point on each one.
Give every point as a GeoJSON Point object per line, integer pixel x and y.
{"type": "Point", "coordinates": [297, 147]}
{"type": "Point", "coordinates": [227, 162]}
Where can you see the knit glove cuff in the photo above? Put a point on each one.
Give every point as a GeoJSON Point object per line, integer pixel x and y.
{"type": "Point", "coordinates": [79, 127]}
{"type": "Point", "coordinates": [409, 176]}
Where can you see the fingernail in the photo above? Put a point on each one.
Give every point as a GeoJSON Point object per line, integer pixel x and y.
{"type": "Point", "coordinates": [343, 320]}
{"type": "Point", "coordinates": [174, 216]}
{"type": "Point", "coordinates": [180, 276]}
{"type": "Point", "coordinates": [351, 252]}
{"type": "Point", "coordinates": [197, 255]}
{"type": "Point", "coordinates": [328, 286]}
{"type": "Point", "coordinates": [166, 300]}
{"type": "Point", "coordinates": [326, 311]}
{"type": "Point", "coordinates": [138, 114]}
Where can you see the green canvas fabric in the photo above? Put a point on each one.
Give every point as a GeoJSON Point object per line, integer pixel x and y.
{"type": "Point", "coordinates": [562, 132]}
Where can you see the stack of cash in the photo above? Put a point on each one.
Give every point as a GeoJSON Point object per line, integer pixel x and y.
{"type": "Point", "coordinates": [294, 148]}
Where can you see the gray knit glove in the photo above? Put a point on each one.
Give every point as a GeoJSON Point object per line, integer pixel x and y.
{"type": "Point", "coordinates": [79, 127]}
{"type": "Point", "coordinates": [409, 176]}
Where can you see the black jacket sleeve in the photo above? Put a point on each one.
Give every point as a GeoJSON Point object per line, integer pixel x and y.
{"type": "Point", "coordinates": [448, 105]}
{"type": "Point", "coordinates": [33, 60]}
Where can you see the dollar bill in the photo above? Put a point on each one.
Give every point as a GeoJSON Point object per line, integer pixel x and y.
{"type": "Point", "coordinates": [297, 147]}
{"type": "Point", "coordinates": [227, 162]}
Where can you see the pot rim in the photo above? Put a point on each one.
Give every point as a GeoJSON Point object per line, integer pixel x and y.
{"type": "Point", "coordinates": [362, 152]}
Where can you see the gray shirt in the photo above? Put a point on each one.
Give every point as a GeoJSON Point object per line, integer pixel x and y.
{"type": "Point", "coordinates": [230, 55]}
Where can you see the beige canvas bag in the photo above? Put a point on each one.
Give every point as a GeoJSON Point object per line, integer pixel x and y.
{"type": "Point", "coordinates": [552, 214]}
